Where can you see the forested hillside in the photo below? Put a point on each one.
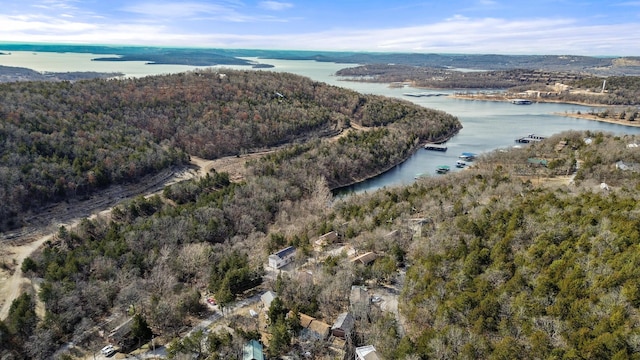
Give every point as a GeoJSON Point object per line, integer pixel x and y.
{"type": "Point", "coordinates": [64, 140]}
{"type": "Point", "coordinates": [503, 268]}
{"type": "Point", "coordinates": [508, 257]}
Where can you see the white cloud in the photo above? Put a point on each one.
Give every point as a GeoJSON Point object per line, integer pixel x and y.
{"type": "Point", "coordinates": [226, 11]}
{"type": "Point", "coordinates": [457, 34]}
{"type": "Point", "coordinates": [275, 5]}
{"type": "Point", "coordinates": [55, 4]}
{"type": "Point", "coordinates": [178, 9]}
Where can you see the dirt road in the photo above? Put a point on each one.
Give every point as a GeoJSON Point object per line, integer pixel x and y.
{"type": "Point", "coordinates": [18, 245]}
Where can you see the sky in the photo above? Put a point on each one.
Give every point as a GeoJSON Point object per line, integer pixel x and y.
{"type": "Point", "coordinates": [542, 27]}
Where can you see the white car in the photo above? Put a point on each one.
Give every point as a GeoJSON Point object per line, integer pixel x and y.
{"type": "Point", "coordinates": [108, 350]}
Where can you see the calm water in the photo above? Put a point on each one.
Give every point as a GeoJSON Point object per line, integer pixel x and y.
{"type": "Point", "coordinates": [487, 125]}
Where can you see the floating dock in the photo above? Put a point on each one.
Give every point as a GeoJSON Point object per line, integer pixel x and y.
{"type": "Point", "coordinates": [424, 94]}
{"type": "Point", "coordinates": [436, 147]}
{"type": "Point", "coordinates": [530, 138]}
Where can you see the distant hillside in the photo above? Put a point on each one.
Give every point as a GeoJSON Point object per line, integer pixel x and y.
{"type": "Point", "coordinates": [11, 74]}
{"type": "Point", "coordinates": [206, 57]}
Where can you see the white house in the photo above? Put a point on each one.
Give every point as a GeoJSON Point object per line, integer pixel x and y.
{"type": "Point", "coordinates": [282, 257]}
{"type": "Point", "coordinates": [367, 353]}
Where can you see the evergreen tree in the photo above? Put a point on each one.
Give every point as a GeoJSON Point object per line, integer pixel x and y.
{"type": "Point", "coordinates": [140, 330]}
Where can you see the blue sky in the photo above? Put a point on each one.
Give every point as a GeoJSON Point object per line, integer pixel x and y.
{"type": "Point", "coordinates": [576, 27]}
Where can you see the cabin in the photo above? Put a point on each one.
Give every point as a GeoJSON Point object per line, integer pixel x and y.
{"type": "Point", "coordinates": [120, 334]}
{"type": "Point", "coordinates": [365, 258]}
{"type": "Point", "coordinates": [252, 351]}
{"type": "Point", "coordinates": [343, 325]}
{"type": "Point", "coordinates": [314, 328]}
{"type": "Point", "coordinates": [282, 257]}
{"type": "Point", "coordinates": [367, 352]}
{"type": "Point", "coordinates": [328, 238]}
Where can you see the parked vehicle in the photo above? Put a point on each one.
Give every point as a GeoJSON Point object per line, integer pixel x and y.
{"type": "Point", "coordinates": [108, 350]}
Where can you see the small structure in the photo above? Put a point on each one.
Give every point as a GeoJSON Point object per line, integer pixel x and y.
{"type": "Point", "coordinates": [282, 257]}
{"type": "Point", "coordinates": [359, 302]}
{"type": "Point", "coordinates": [314, 328]}
{"type": "Point", "coordinates": [365, 258]}
{"type": "Point", "coordinates": [621, 165]}
{"type": "Point", "coordinates": [536, 161]}
{"type": "Point", "coordinates": [343, 326]}
{"type": "Point", "coordinates": [367, 353]}
{"type": "Point", "coordinates": [328, 238]}
{"type": "Point", "coordinates": [252, 351]}
{"type": "Point", "coordinates": [561, 145]}
{"type": "Point", "coordinates": [120, 334]}
{"type": "Point", "coordinates": [267, 298]}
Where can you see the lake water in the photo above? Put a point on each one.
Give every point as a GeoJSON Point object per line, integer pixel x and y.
{"type": "Point", "coordinates": [486, 125]}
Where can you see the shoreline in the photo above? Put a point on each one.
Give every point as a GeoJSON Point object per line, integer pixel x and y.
{"type": "Point", "coordinates": [417, 147]}
{"type": "Point", "coordinates": [583, 116]}
{"type": "Point", "coordinates": [536, 100]}
{"type": "Point", "coordinates": [597, 118]}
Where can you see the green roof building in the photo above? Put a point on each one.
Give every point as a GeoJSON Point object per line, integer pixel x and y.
{"type": "Point", "coordinates": [252, 351]}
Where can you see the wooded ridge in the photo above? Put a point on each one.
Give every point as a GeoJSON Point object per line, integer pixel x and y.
{"type": "Point", "coordinates": [64, 140]}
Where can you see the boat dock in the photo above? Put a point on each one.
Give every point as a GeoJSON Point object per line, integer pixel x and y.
{"type": "Point", "coordinates": [424, 94]}
{"type": "Point", "coordinates": [530, 138]}
{"type": "Point", "coordinates": [436, 147]}
{"type": "Point", "coordinates": [467, 156]}
{"type": "Point", "coordinates": [443, 169]}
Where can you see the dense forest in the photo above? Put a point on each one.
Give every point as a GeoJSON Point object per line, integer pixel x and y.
{"type": "Point", "coordinates": [63, 140]}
